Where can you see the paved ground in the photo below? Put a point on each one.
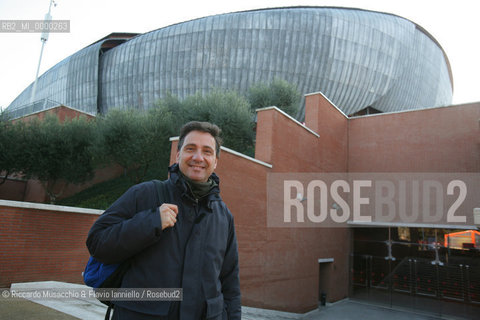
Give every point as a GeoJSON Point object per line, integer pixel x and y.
{"type": "Point", "coordinates": [24, 309]}
{"type": "Point", "coordinates": [91, 309]}
{"type": "Point", "coordinates": [342, 310]}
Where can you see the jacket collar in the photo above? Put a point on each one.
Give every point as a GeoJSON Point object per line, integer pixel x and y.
{"type": "Point", "coordinates": [181, 184]}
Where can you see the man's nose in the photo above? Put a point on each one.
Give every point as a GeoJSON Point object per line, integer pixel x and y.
{"type": "Point", "coordinates": [197, 156]}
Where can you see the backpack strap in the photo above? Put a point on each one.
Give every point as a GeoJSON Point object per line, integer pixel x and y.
{"type": "Point", "coordinates": [162, 191]}
{"type": "Point", "coordinates": [109, 309]}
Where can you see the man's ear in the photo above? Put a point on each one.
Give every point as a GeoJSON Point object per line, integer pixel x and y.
{"type": "Point", "coordinates": [177, 156]}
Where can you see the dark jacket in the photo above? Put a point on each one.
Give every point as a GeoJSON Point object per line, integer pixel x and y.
{"type": "Point", "coordinates": [199, 254]}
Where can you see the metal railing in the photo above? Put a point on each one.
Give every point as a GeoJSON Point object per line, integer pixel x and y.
{"type": "Point", "coordinates": [418, 277]}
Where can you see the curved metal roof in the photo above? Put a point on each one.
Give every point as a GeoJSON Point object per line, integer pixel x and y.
{"type": "Point", "coordinates": [356, 58]}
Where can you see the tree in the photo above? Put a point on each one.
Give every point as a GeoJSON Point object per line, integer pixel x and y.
{"type": "Point", "coordinates": [55, 152]}
{"type": "Point", "coordinates": [278, 93]}
{"type": "Point", "coordinates": [232, 113]}
{"type": "Point", "coordinates": [10, 147]}
{"type": "Point", "coordinates": [135, 139]}
{"type": "Point", "coordinates": [227, 109]}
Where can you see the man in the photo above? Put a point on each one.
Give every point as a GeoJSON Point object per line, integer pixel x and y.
{"type": "Point", "coordinates": [188, 243]}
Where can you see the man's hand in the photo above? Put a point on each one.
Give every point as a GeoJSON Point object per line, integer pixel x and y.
{"type": "Point", "coordinates": [168, 215]}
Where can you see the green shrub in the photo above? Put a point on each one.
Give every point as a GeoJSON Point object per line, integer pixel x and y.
{"type": "Point", "coordinates": [278, 93]}
{"type": "Point", "coordinates": [134, 139]}
{"type": "Point", "coordinates": [227, 109]}
{"type": "Point", "coordinates": [54, 152]}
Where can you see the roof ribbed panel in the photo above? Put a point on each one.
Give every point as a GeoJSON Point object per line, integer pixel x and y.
{"type": "Point", "coordinates": [356, 58]}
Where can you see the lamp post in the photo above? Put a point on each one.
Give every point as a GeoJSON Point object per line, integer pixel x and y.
{"type": "Point", "coordinates": [43, 38]}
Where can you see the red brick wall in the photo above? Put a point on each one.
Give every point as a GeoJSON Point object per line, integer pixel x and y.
{"type": "Point", "coordinates": [39, 245]}
{"type": "Point", "coordinates": [13, 189]}
{"type": "Point", "coordinates": [284, 143]}
{"type": "Point", "coordinates": [62, 112]}
{"type": "Point", "coordinates": [332, 126]}
{"type": "Point", "coordinates": [288, 257]}
{"type": "Point", "coordinates": [32, 190]}
{"type": "Point", "coordinates": [429, 140]}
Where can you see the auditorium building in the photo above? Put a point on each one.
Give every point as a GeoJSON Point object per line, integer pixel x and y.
{"type": "Point", "coordinates": [360, 60]}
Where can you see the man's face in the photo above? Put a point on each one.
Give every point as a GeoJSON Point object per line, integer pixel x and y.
{"type": "Point", "coordinates": [197, 158]}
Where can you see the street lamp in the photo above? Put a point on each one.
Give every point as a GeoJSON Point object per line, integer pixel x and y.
{"type": "Point", "coordinates": [43, 38]}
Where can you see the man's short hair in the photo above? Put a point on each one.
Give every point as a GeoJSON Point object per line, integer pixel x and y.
{"type": "Point", "coordinates": [207, 127]}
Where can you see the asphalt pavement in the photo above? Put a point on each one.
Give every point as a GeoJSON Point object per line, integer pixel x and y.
{"type": "Point", "coordinates": [92, 309]}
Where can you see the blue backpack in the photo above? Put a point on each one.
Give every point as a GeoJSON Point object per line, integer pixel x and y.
{"type": "Point", "coordinates": [100, 275]}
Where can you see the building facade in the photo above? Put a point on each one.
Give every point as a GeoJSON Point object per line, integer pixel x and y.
{"type": "Point", "coordinates": [358, 58]}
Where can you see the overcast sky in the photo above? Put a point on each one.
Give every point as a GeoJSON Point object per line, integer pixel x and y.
{"type": "Point", "coordinates": [455, 24]}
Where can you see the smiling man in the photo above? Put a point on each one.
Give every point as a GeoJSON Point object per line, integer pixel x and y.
{"type": "Point", "coordinates": [197, 155]}
{"type": "Point", "coordinates": [187, 242]}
